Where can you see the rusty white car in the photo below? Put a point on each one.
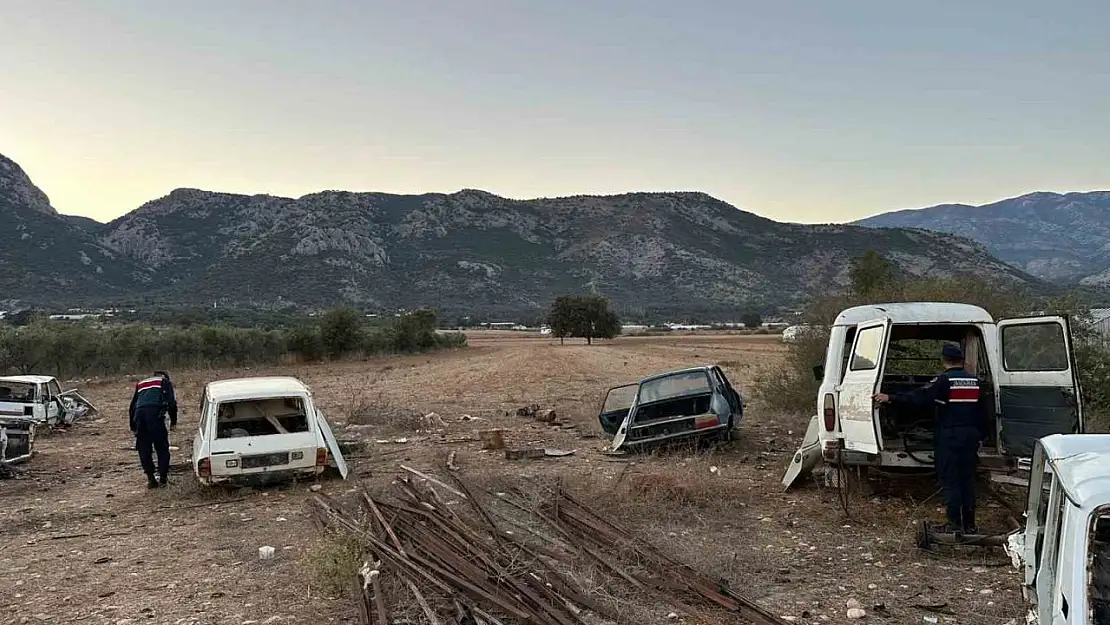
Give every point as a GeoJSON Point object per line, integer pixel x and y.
{"type": "Point", "coordinates": [263, 429]}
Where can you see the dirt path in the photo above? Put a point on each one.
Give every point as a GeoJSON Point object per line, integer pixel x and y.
{"type": "Point", "coordinates": [82, 540]}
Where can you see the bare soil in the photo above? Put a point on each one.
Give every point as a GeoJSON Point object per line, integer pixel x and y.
{"type": "Point", "coordinates": [83, 541]}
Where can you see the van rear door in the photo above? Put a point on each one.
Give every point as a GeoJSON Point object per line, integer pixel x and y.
{"type": "Point", "coordinates": [1038, 390]}
{"type": "Point", "coordinates": [861, 380]}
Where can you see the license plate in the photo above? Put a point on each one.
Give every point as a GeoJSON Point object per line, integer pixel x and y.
{"type": "Point", "coordinates": [264, 460]}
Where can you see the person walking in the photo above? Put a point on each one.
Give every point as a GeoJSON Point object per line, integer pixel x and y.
{"type": "Point", "coordinates": [154, 397]}
{"type": "Point", "coordinates": [959, 428]}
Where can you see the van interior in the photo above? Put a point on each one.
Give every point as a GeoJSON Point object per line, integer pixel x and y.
{"type": "Point", "coordinates": [261, 417]}
{"type": "Point", "coordinates": [912, 361]}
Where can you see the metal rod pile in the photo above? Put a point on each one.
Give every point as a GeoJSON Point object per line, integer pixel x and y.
{"type": "Point", "coordinates": [485, 575]}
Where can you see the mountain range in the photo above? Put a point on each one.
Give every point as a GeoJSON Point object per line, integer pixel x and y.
{"type": "Point", "coordinates": [467, 251]}
{"type": "Point", "coordinates": [1057, 237]}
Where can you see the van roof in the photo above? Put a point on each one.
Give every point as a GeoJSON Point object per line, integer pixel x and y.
{"type": "Point", "coordinates": [28, 379]}
{"type": "Point", "coordinates": [1082, 464]}
{"type": "Point", "coordinates": [914, 312]}
{"type": "Point", "coordinates": [252, 388]}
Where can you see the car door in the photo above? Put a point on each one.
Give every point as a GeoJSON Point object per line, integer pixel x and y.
{"type": "Point", "coordinates": [735, 402]}
{"type": "Point", "coordinates": [1038, 387]}
{"type": "Point", "coordinates": [618, 400]}
{"type": "Point", "coordinates": [858, 422]}
{"type": "Point", "coordinates": [50, 403]}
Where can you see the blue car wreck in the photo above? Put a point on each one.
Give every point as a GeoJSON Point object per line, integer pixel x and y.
{"type": "Point", "coordinates": [692, 403]}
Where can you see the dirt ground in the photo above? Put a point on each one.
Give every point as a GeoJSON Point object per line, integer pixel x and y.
{"type": "Point", "coordinates": [83, 541]}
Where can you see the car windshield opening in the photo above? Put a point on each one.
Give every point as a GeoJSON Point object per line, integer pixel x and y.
{"type": "Point", "coordinates": [261, 417]}
{"type": "Point", "coordinates": [21, 392]}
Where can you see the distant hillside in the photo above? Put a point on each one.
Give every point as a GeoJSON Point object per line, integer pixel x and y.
{"type": "Point", "coordinates": [1049, 235]}
{"type": "Point", "coordinates": [466, 251]}
{"type": "Point", "coordinates": [46, 259]}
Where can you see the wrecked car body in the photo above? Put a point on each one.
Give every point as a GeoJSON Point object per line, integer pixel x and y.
{"type": "Point", "coordinates": [1026, 369]}
{"type": "Point", "coordinates": [262, 430]}
{"type": "Point", "coordinates": [40, 398]}
{"type": "Point", "coordinates": [684, 404]}
{"type": "Point", "coordinates": [17, 439]}
{"type": "Point", "coordinates": [1064, 549]}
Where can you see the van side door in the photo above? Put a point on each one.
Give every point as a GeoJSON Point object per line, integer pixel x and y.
{"type": "Point", "coordinates": [1038, 387]}
{"type": "Point", "coordinates": [861, 381]}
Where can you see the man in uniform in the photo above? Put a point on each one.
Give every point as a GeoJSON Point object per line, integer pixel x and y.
{"type": "Point", "coordinates": [959, 427]}
{"type": "Point", "coordinates": [153, 398]}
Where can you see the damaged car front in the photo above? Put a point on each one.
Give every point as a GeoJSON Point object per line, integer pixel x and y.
{"type": "Point", "coordinates": [17, 439]}
{"type": "Point", "coordinates": [685, 404]}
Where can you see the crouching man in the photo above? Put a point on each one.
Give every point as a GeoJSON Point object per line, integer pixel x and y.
{"type": "Point", "coordinates": [153, 399]}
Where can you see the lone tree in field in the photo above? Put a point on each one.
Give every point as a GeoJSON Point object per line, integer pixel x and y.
{"type": "Point", "coordinates": [752, 320]}
{"type": "Point", "coordinates": [583, 316]}
{"type": "Point", "coordinates": [870, 274]}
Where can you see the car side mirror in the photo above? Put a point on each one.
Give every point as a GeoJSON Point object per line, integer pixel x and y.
{"type": "Point", "coordinates": [819, 373]}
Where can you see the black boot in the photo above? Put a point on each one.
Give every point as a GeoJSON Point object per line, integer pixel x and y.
{"type": "Point", "coordinates": [162, 481]}
{"type": "Point", "coordinates": [151, 482]}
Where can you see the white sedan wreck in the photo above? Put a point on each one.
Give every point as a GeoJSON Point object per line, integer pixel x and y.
{"type": "Point", "coordinates": [41, 399]}
{"type": "Point", "coordinates": [262, 430]}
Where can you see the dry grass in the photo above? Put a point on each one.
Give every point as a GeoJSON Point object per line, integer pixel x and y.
{"type": "Point", "coordinates": [189, 552]}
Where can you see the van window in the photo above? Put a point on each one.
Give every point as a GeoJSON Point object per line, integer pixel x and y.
{"type": "Point", "coordinates": [868, 346]}
{"type": "Point", "coordinates": [203, 415]}
{"type": "Point", "coordinates": [1034, 347]}
{"type": "Point", "coordinates": [261, 417]}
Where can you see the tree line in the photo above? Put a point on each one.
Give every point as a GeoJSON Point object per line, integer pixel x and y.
{"type": "Point", "coordinates": [68, 349]}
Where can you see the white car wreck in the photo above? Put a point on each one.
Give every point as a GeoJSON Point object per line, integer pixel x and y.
{"type": "Point", "coordinates": [1064, 550]}
{"type": "Point", "coordinates": [1025, 367]}
{"type": "Point", "coordinates": [264, 429]}
{"type": "Point", "coordinates": [40, 398]}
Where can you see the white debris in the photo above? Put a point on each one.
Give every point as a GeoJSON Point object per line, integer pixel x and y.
{"type": "Point", "coordinates": [266, 553]}
{"type": "Point", "coordinates": [853, 604]}
{"type": "Point", "coordinates": [856, 614]}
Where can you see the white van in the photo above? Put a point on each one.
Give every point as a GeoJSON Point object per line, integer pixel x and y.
{"type": "Point", "coordinates": [261, 430]}
{"type": "Point", "coordinates": [1025, 366]}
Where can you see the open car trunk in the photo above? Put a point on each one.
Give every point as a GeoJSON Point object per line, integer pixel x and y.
{"type": "Point", "coordinates": [668, 417]}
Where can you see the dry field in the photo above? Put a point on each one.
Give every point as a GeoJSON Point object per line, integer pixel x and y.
{"type": "Point", "coordinates": [83, 541]}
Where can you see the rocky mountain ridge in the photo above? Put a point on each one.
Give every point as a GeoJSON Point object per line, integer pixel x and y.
{"type": "Point", "coordinates": [1055, 236]}
{"type": "Point", "coordinates": [477, 252]}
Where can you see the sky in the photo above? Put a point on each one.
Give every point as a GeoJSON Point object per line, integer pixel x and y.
{"type": "Point", "coordinates": [798, 110]}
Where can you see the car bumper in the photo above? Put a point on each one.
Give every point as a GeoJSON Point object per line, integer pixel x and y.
{"type": "Point", "coordinates": [261, 478]}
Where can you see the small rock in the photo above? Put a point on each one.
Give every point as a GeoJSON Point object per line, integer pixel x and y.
{"type": "Point", "coordinates": [856, 614]}
{"type": "Point", "coordinates": [853, 604]}
{"type": "Point", "coordinates": [672, 616]}
{"type": "Point", "coordinates": [315, 488]}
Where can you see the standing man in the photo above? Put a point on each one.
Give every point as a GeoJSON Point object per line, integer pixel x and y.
{"type": "Point", "coordinates": [153, 398]}
{"type": "Point", "coordinates": [959, 427]}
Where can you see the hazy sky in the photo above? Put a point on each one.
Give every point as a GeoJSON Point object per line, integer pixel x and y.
{"type": "Point", "coordinates": [816, 110]}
